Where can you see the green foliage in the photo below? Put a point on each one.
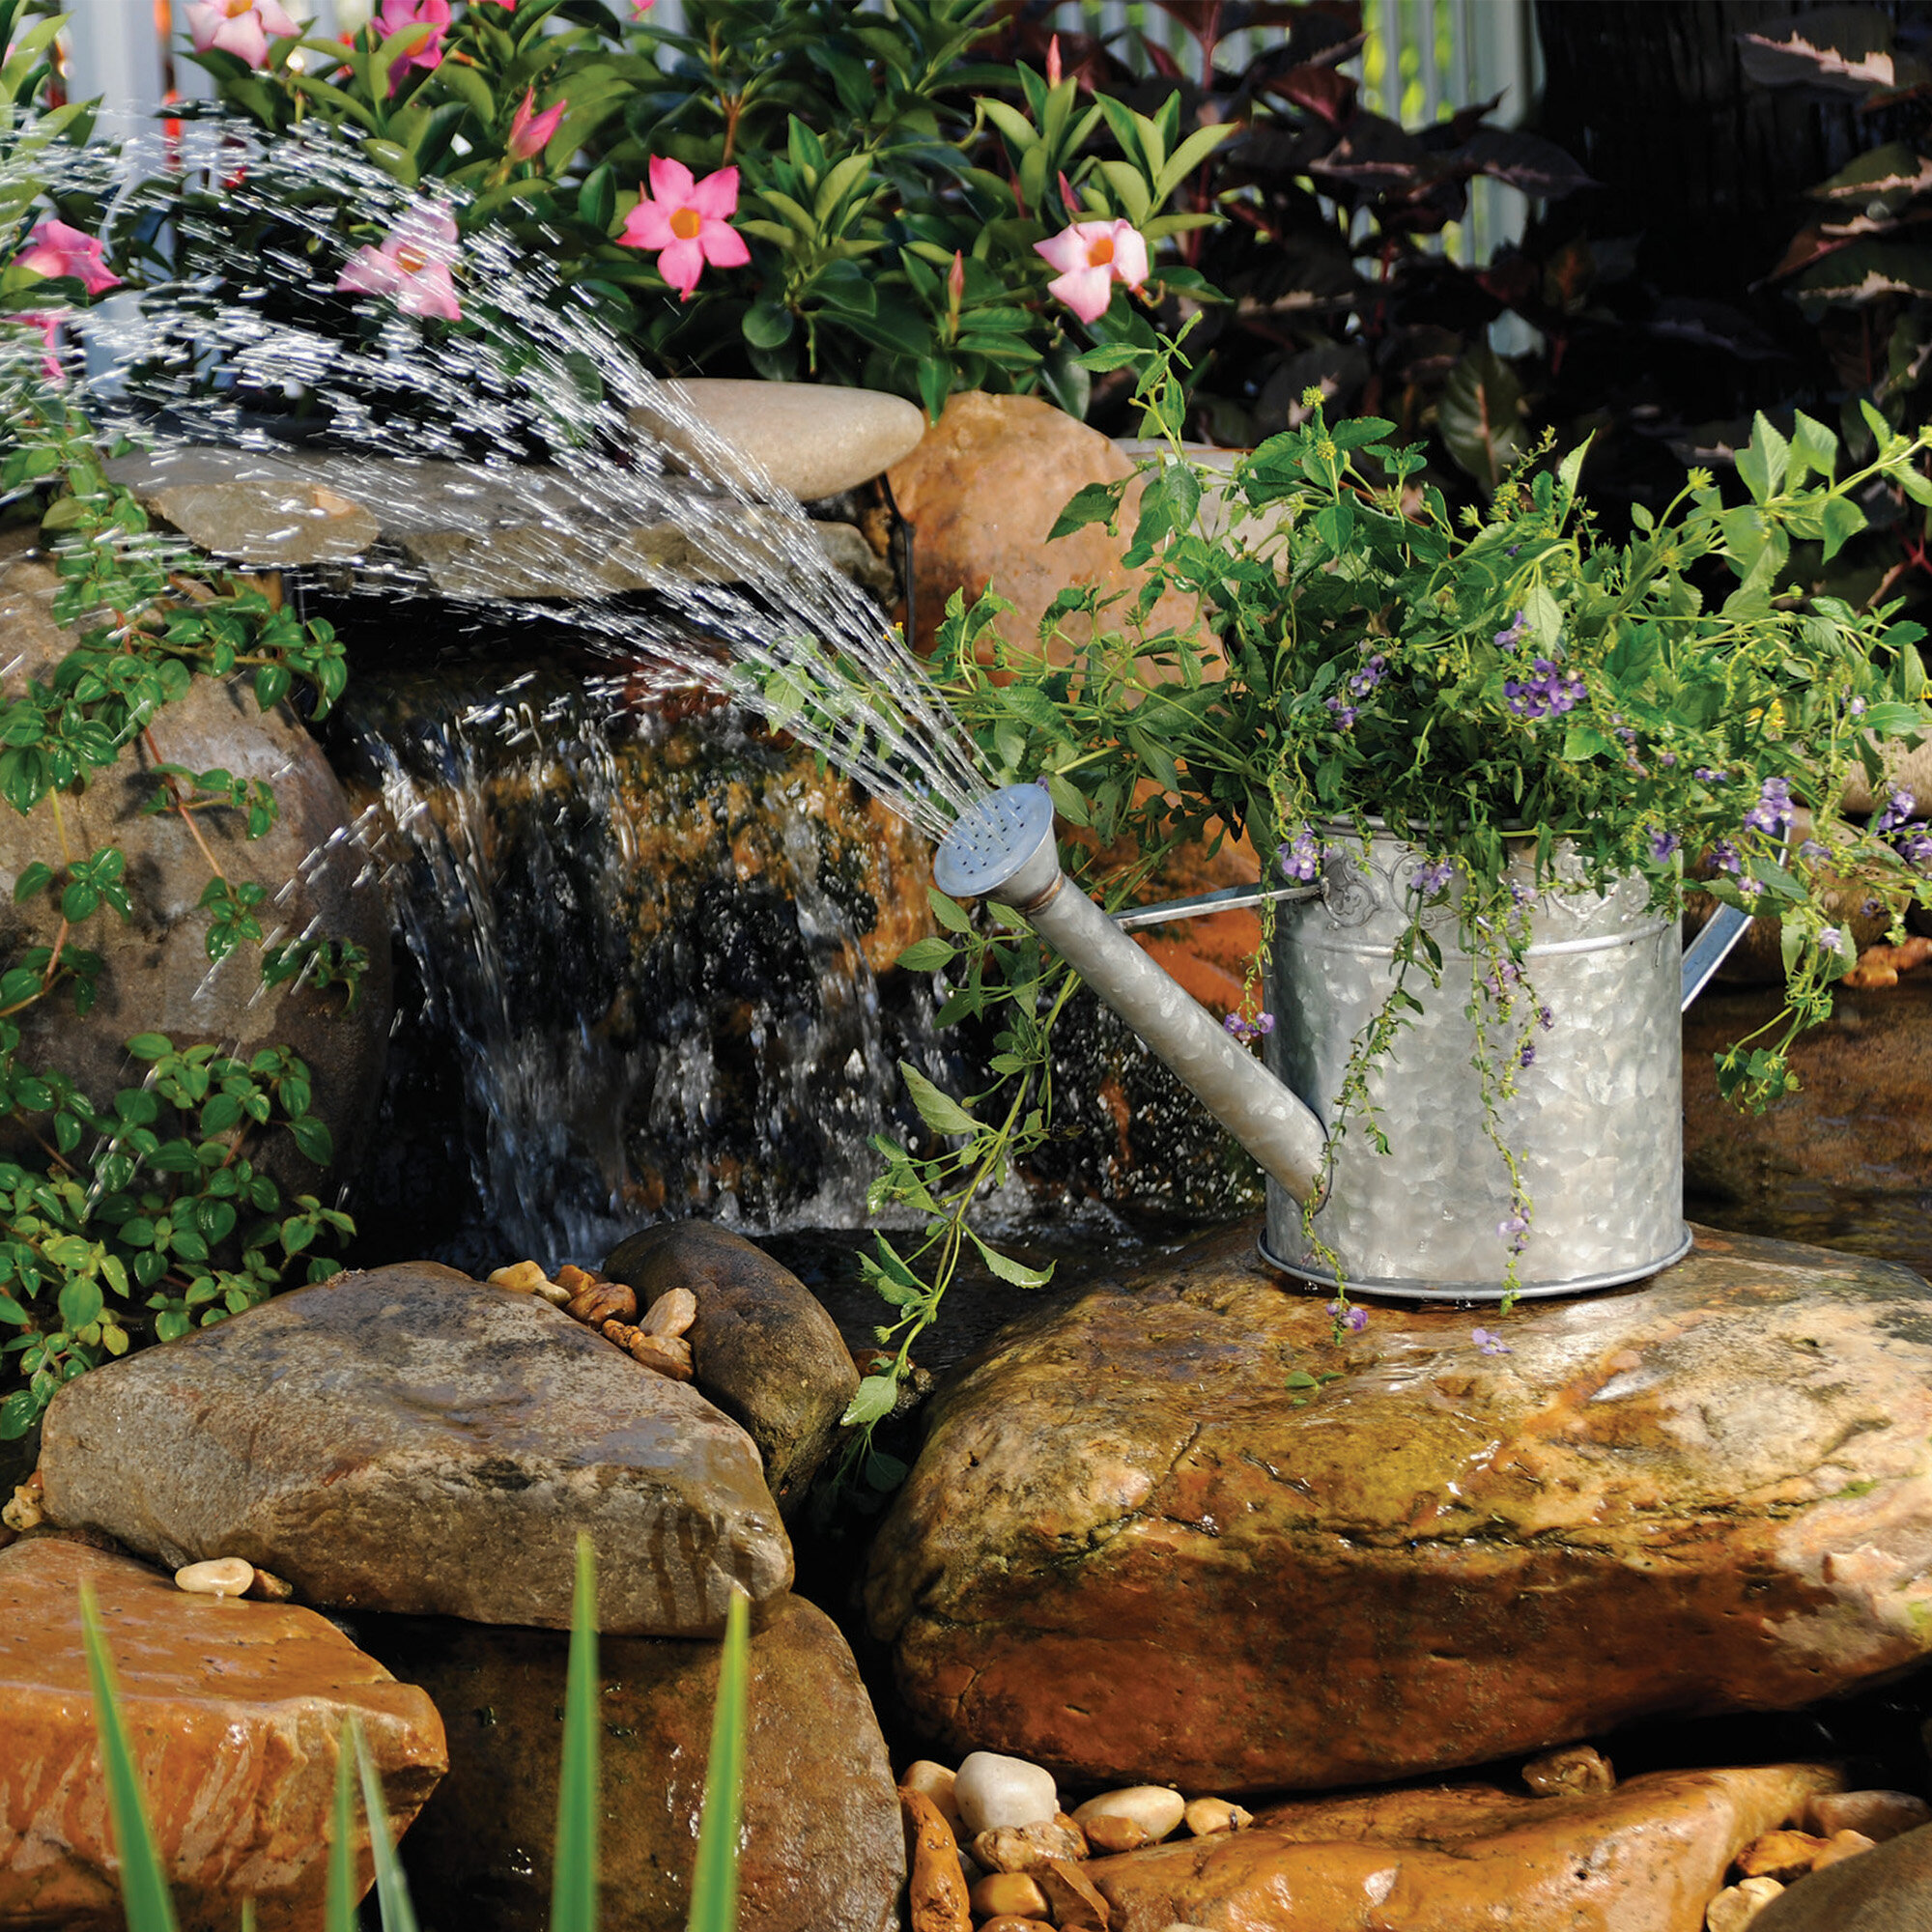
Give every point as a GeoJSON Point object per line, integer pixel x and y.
{"type": "Point", "coordinates": [573, 1899]}
{"type": "Point", "coordinates": [892, 187]}
{"type": "Point", "coordinates": [150, 1213]}
{"type": "Point", "coordinates": [714, 1885]}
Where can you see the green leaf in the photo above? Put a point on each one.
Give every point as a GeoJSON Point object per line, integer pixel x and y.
{"type": "Point", "coordinates": [338, 1908]}
{"type": "Point", "coordinates": [714, 1883]}
{"type": "Point", "coordinates": [313, 1139]}
{"type": "Point", "coordinates": [144, 1886]}
{"type": "Point", "coordinates": [1842, 520]}
{"type": "Point", "coordinates": [80, 1303]}
{"type": "Point", "coordinates": [1090, 503]}
{"type": "Point", "coordinates": [573, 1898]}
{"type": "Point", "coordinates": [940, 1111]}
{"type": "Point", "coordinates": [926, 956]}
{"type": "Point", "coordinates": [392, 1893]}
{"type": "Point", "coordinates": [151, 1047]}
{"type": "Point", "coordinates": [873, 1403]}
{"type": "Point", "coordinates": [1009, 1270]}
{"type": "Point", "coordinates": [1762, 462]}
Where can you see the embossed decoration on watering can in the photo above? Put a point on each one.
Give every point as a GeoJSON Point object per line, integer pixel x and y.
{"type": "Point", "coordinates": [1596, 1120]}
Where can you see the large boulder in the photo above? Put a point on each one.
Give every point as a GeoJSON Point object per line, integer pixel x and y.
{"type": "Point", "coordinates": [819, 1849]}
{"type": "Point", "coordinates": [235, 1714]}
{"type": "Point", "coordinates": [762, 1347]}
{"type": "Point", "coordinates": [1133, 1549]}
{"type": "Point", "coordinates": [408, 1439]}
{"type": "Point", "coordinates": [156, 974]}
{"type": "Point", "coordinates": [1469, 1857]}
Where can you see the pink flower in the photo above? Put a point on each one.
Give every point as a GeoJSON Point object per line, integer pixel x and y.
{"type": "Point", "coordinates": [48, 322]}
{"type": "Point", "coordinates": [640, 7]}
{"type": "Point", "coordinates": [530, 132]}
{"type": "Point", "coordinates": [55, 248]}
{"type": "Point", "coordinates": [1092, 256]}
{"type": "Point", "coordinates": [686, 219]}
{"type": "Point", "coordinates": [239, 27]}
{"type": "Point", "coordinates": [412, 264]}
{"type": "Point", "coordinates": [396, 15]}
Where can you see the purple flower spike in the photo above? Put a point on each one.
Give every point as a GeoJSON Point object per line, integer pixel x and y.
{"type": "Point", "coordinates": [1725, 856]}
{"type": "Point", "coordinates": [1248, 1031]}
{"type": "Point", "coordinates": [1433, 876]}
{"type": "Point", "coordinates": [1916, 849]}
{"type": "Point", "coordinates": [1771, 812]}
{"type": "Point", "coordinates": [1490, 1343]}
{"type": "Point", "coordinates": [1353, 1319]}
{"type": "Point", "coordinates": [1548, 692]}
{"type": "Point", "coordinates": [1828, 938]}
{"type": "Point", "coordinates": [1344, 714]}
{"type": "Point", "coordinates": [1662, 844]}
{"type": "Point", "coordinates": [1526, 1057]}
{"type": "Point", "coordinates": [1511, 636]}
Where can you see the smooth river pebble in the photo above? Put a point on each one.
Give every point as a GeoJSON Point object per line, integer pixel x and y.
{"type": "Point", "coordinates": [218, 1576]}
{"type": "Point", "coordinates": [1154, 1807]}
{"type": "Point", "coordinates": [994, 1791]}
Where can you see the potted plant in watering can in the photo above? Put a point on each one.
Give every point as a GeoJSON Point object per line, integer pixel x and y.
{"type": "Point", "coordinates": [1478, 752]}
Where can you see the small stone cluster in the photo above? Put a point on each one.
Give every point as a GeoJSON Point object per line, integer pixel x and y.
{"type": "Point", "coordinates": [611, 1308]}
{"type": "Point", "coordinates": [1837, 1826]}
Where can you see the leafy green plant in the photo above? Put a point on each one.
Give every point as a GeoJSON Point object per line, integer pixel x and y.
{"type": "Point", "coordinates": [150, 1213]}
{"type": "Point", "coordinates": [1478, 683]}
{"type": "Point", "coordinates": [890, 189]}
{"type": "Point", "coordinates": [144, 1890]}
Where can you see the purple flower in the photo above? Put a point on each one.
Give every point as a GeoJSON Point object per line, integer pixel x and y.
{"type": "Point", "coordinates": [1490, 1343]}
{"type": "Point", "coordinates": [1526, 1054]}
{"type": "Point", "coordinates": [1368, 677]}
{"type": "Point", "coordinates": [1433, 876]}
{"type": "Point", "coordinates": [1749, 888]}
{"type": "Point", "coordinates": [1548, 692]}
{"type": "Point", "coordinates": [1246, 1030]}
{"type": "Point", "coordinates": [1772, 810]}
{"type": "Point", "coordinates": [1344, 714]}
{"type": "Point", "coordinates": [1301, 856]}
{"type": "Point", "coordinates": [1725, 856]}
{"type": "Point", "coordinates": [1916, 849]}
{"type": "Point", "coordinates": [1812, 851]}
{"type": "Point", "coordinates": [1545, 1018]}
{"type": "Point", "coordinates": [1663, 843]}
{"type": "Point", "coordinates": [1510, 638]}
{"type": "Point", "coordinates": [1353, 1319]}
{"type": "Point", "coordinates": [1711, 777]}
{"type": "Point", "coordinates": [1828, 938]}
{"type": "Point", "coordinates": [1857, 707]}
{"type": "Point", "coordinates": [1899, 808]}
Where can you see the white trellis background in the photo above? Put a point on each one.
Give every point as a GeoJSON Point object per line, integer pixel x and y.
{"type": "Point", "coordinates": [1423, 60]}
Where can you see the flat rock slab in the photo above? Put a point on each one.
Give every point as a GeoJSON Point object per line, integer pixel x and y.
{"type": "Point", "coordinates": [409, 1439]}
{"type": "Point", "coordinates": [820, 1846]}
{"type": "Point", "coordinates": [1467, 1858]}
{"type": "Point", "coordinates": [234, 1712]}
{"type": "Point", "coordinates": [1131, 1550]}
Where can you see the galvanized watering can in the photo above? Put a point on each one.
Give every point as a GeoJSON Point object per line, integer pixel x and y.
{"type": "Point", "coordinates": [1595, 1123]}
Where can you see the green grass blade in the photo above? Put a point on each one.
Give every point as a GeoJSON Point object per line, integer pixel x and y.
{"type": "Point", "coordinates": [247, 1914]}
{"type": "Point", "coordinates": [714, 1886]}
{"type": "Point", "coordinates": [573, 1898]}
{"type": "Point", "coordinates": [392, 1892]}
{"type": "Point", "coordinates": [338, 1908]}
{"type": "Point", "coordinates": [144, 1884]}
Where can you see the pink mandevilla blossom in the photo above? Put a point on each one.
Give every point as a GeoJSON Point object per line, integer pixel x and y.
{"type": "Point", "coordinates": [529, 131]}
{"type": "Point", "coordinates": [1092, 256]}
{"type": "Point", "coordinates": [686, 219]}
{"type": "Point", "coordinates": [412, 264]}
{"type": "Point", "coordinates": [640, 7]}
{"type": "Point", "coordinates": [55, 248]}
{"type": "Point", "coordinates": [243, 28]}
{"type": "Point", "coordinates": [396, 15]}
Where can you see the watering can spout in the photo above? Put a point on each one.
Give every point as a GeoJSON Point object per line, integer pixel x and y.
{"type": "Point", "coordinates": [1003, 847]}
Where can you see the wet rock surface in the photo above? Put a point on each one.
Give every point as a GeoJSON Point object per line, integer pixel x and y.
{"type": "Point", "coordinates": [821, 1843]}
{"type": "Point", "coordinates": [762, 1347]}
{"type": "Point", "coordinates": [409, 1439]}
{"type": "Point", "coordinates": [1467, 1858]}
{"type": "Point", "coordinates": [233, 1713]}
{"type": "Point", "coordinates": [1846, 1160]}
{"type": "Point", "coordinates": [156, 974]}
{"type": "Point", "coordinates": [1703, 1492]}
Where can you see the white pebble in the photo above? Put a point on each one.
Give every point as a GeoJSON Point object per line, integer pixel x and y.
{"type": "Point", "coordinates": [993, 1792]}
{"type": "Point", "coordinates": [1154, 1807]}
{"type": "Point", "coordinates": [218, 1576]}
{"type": "Point", "coordinates": [1737, 1905]}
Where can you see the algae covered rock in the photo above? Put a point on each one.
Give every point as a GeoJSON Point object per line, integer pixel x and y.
{"type": "Point", "coordinates": [1133, 1549]}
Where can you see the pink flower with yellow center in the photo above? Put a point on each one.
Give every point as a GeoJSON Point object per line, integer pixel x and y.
{"type": "Point", "coordinates": [243, 28]}
{"type": "Point", "coordinates": [685, 219]}
{"type": "Point", "coordinates": [55, 248]}
{"type": "Point", "coordinates": [396, 15]}
{"type": "Point", "coordinates": [1092, 256]}
{"type": "Point", "coordinates": [529, 131]}
{"type": "Point", "coordinates": [412, 264]}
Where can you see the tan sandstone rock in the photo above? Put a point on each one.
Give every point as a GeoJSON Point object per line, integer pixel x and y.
{"type": "Point", "coordinates": [1886, 1890]}
{"type": "Point", "coordinates": [981, 491]}
{"type": "Point", "coordinates": [1467, 1858]}
{"type": "Point", "coordinates": [936, 1894]}
{"type": "Point", "coordinates": [234, 1711]}
{"type": "Point", "coordinates": [408, 1439]}
{"type": "Point", "coordinates": [1707, 1492]}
